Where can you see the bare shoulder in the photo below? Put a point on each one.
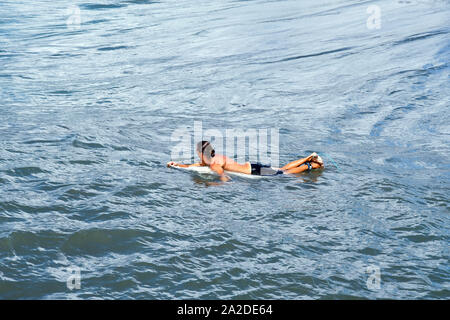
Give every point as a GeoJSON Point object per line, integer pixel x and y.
{"type": "Point", "coordinates": [221, 159]}
{"type": "Point", "coordinates": [228, 160]}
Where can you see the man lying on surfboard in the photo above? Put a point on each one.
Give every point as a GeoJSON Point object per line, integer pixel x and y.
{"type": "Point", "coordinates": [220, 163]}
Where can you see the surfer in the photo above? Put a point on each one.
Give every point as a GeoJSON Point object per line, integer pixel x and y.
{"type": "Point", "coordinates": [220, 163]}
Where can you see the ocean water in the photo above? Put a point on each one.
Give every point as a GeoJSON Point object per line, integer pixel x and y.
{"type": "Point", "coordinates": [92, 92]}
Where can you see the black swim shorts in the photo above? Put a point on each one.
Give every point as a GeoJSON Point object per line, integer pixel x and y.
{"type": "Point", "coordinates": [259, 169]}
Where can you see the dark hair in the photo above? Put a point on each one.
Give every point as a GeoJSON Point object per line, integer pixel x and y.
{"type": "Point", "coordinates": [203, 146]}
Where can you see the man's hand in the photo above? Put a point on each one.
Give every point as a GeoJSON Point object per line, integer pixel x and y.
{"type": "Point", "coordinates": [171, 164]}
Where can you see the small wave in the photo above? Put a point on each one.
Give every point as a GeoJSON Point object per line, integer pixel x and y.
{"type": "Point", "coordinates": [98, 241]}
{"type": "Point", "coordinates": [112, 48]}
{"type": "Point", "coordinates": [307, 55]}
{"type": "Point", "coordinates": [420, 36]}
{"type": "Point", "coordinates": [24, 171]}
{"type": "Point", "coordinates": [102, 6]}
{"type": "Point", "coordinates": [87, 145]}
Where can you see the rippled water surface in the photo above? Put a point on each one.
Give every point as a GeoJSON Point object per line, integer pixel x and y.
{"type": "Point", "coordinates": [88, 107]}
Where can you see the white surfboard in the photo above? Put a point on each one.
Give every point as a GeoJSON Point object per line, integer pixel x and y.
{"type": "Point", "coordinates": [207, 170]}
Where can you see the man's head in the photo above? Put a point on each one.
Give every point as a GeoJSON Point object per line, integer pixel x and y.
{"type": "Point", "coordinates": [205, 151]}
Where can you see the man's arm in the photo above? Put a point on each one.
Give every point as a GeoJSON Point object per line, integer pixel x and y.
{"type": "Point", "coordinates": [218, 168]}
{"type": "Point", "coordinates": [172, 163]}
{"type": "Point", "coordinates": [215, 167]}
